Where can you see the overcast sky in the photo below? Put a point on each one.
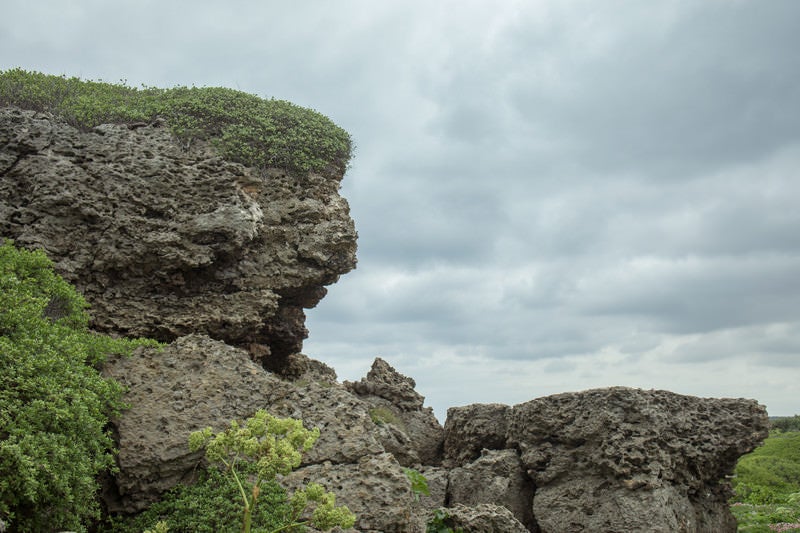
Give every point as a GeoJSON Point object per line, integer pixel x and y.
{"type": "Point", "coordinates": [550, 195]}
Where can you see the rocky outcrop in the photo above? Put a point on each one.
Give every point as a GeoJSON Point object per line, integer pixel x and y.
{"type": "Point", "coordinates": [219, 261]}
{"type": "Point", "coordinates": [627, 458]}
{"type": "Point", "coordinates": [616, 459]}
{"type": "Point", "coordinates": [196, 382]}
{"type": "Point", "coordinates": [166, 240]}
{"type": "Point", "coordinates": [406, 428]}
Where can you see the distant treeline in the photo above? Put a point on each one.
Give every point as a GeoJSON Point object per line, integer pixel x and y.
{"type": "Point", "coordinates": [785, 423]}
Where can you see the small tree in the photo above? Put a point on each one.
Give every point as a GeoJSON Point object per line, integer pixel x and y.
{"type": "Point", "coordinates": [275, 445]}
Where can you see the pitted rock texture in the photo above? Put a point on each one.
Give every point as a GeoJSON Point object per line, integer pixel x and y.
{"type": "Point", "coordinates": [496, 477]}
{"type": "Point", "coordinates": [406, 428]}
{"type": "Point", "coordinates": [471, 429]}
{"type": "Point", "coordinates": [165, 240]}
{"type": "Point", "coordinates": [197, 382]}
{"type": "Point", "coordinates": [621, 459]}
{"type": "Point", "coordinates": [375, 488]}
{"type": "Point", "coordinates": [482, 518]}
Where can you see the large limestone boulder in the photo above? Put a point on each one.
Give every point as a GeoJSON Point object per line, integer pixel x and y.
{"type": "Point", "coordinates": [405, 428]}
{"type": "Point", "coordinates": [496, 477]}
{"type": "Point", "coordinates": [197, 382]}
{"type": "Point", "coordinates": [375, 488]}
{"type": "Point", "coordinates": [166, 240]}
{"type": "Point", "coordinates": [471, 429]}
{"type": "Point", "coordinates": [622, 459]}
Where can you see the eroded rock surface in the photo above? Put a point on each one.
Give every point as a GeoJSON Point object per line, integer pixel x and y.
{"type": "Point", "coordinates": [406, 428]}
{"type": "Point", "coordinates": [482, 518]}
{"type": "Point", "coordinates": [197, 382]}
{"type": "Point", "coordinates": [621, 459]}
{"type": "Point", "coordinates": [175, 243]}
{"type": "Point", "coordinates": [166, 241]}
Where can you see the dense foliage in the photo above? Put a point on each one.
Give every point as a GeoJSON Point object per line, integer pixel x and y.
{"type": "Point", "coordinates": [244, 128]}
{"type": "Point", "coordinates": [269, 446]}
{"type": "Point", "coordinates": [767, 486]}
{"type": "Point", "coordinates": [54, 405]}
{"type": "Point", "coordinates": [786, 423]}
{"type": "Point", "coordinates": [209, 506]}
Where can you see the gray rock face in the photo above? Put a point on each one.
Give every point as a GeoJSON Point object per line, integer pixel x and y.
{"type": "Point", "coordinates": [627, 459]}
{"type": "Point", "coordinates": [497, 477]}
{"type": "Point", "coordinates": [406, 428]}
{"type": "Point", "coordinates": [375, 488]}
{"type": "Point", "coordinates": [470, 429]}
{"type": "Point", "coordinates": [483, 518]}
{"type": "Point", "coordinates": [197, 382]}
{"type": "Point", "coordinates": [166, 241]}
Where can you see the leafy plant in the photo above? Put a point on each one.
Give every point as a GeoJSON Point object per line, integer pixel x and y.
{"type": "Point", "coordinates": [274, 445]}
{"type": "Point", "coordinates": [438, 523]}
{"type": "Point", "coordinates": [210, 505]}
{"type": "Point", "coordinates": [245, 128]}
{"type": "Point", "coordinates": [419, 485]}
{"type": "Point", "coordinates": [54, 404]}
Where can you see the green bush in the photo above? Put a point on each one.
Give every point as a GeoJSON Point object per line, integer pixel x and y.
{"type": "Point", "coordinates": [267, 446]}
{"type": "Point", "coordinates": [208, 506]}
{"type": "Point", "coordinates": [245, 128]}
{"type": "Point", "coordinates": [786, 423]}
{"type": "Point", "coordinates": [54, 405]}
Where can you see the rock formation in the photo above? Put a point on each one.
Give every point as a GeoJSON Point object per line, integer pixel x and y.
{"type": "Point", "coordinates": [165, 240]}
{"type": "Point", "coordinates": [219, 261]}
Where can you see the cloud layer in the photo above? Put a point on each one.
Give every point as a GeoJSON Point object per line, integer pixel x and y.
{"type": "Point", "coordinates": [550, 195]}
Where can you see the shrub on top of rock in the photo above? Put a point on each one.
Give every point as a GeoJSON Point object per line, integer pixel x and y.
{"type": "Point", "coordinates": [245, 128]}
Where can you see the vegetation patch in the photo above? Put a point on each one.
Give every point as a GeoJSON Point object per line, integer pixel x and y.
{"type": "Point", "coordinates": [767, 485]}
{"type": "Point", "coordinates": [247, 129]}
{"type": "Point", "coordinates": [383, 415]}
{"type": "Point", "coordinates": [54, 404]}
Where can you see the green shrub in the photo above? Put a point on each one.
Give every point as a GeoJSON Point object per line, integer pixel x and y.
{"type": "Point", "coordinates": [253, 454]}
{"type": "Point", "coordinates": [786, 423]}
{"type": "Point", "coordinates": [440, 523]}
{"type": "Point", "coordinates": [54, 405]}
{"type": "Point", "coordinates": [383, 415]}
{"type": "Point", "coordinates": [245, 128]}
{"type": "Point", "coordinates": [208, 506]}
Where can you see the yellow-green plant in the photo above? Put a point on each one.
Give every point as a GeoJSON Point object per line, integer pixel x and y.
{"type": "Point", "coordinates": [275, 446]}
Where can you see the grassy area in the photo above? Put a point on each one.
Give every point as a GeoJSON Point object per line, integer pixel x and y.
{"type": "Point", "coordinates": [246, 129]}
{"type": "Point", "coordinates": [767, 486]}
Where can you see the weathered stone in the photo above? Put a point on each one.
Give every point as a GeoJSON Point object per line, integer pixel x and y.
{"type": "Point", "coordinates": [438, 480]}
{"type": "Point", "coordinates": [618, 458]}
{"type": "Point", "coordinates": [197, 382]}
{"type": "Point", "coordinates": [405, 428]}
{"type": "Point", "coordinates": [496, 477]}
{"type": "Point", "coordinates": [483, 518]}
{"type": "Point", "coordinates": [165, 240]}
{"type": "Point", "coordinates": [470, 429]}
{"type": "Point", "coordinates": [385, 382]}
{"type": "Point", "coordinates": [375, 488]}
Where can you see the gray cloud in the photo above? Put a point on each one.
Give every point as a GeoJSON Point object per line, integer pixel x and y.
{"type": "Point", "coordinates": [549, 195]}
